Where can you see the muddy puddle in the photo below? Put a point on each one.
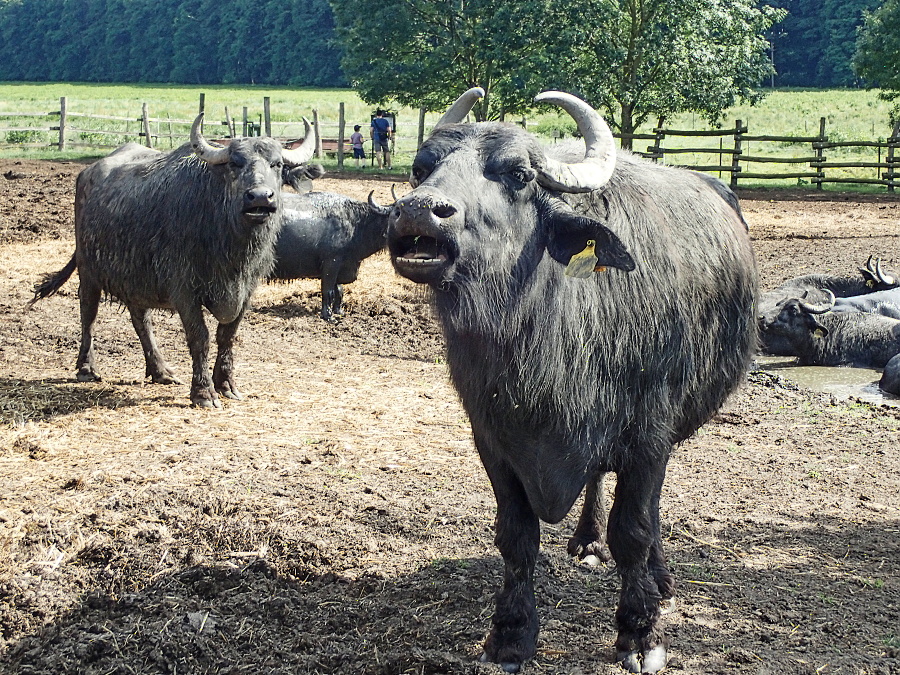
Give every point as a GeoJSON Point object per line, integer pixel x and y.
{"type": "Point", "coordinates": [843, 383]}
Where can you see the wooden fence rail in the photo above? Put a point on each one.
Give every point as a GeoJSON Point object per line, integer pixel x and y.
{"type": "Point", "coordinates": [737, 155]}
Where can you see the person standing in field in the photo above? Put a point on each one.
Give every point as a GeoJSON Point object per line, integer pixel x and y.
{"type": "Point", "coordinates": [381, 136]}
{"type": "Point", "coordinates": [356, 141]}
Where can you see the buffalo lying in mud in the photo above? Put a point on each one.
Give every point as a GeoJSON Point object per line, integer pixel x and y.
{"type": "Point", "coordinates": [820, 336]}
{"type": "Point", "coordinates": [326, 236]}
{"type": "Point", "coordinates": [874, 291]}
{"type": "Point", "coordinates": [190, 229]}
{"type": "Point", "coordinates": [567, 378]}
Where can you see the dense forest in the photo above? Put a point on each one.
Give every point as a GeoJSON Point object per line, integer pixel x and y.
{"type": "Point", "coordinates": [814, 44]}
{"type": "Point", "coordinates": [184, 41]}
{"type": "Point", "coordinates": [292, 42]}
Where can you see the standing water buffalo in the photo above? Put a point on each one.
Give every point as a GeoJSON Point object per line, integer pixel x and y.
{"type": "Point", "coordinates": [190, 229]}
{"type": "Point", "coordinates": [565, 379]}
{"type": "Point", "coordinates": [326, 236]}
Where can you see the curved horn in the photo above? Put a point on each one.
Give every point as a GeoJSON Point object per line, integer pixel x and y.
{"type": "Point", "coordinates": [882, 276]}
{"type": "Point", "coordinates": [378, 208]}
{"type": "Point", "coordinates": [457, 112]}
{"type": "Point", "coordinates": [817, 309]}
{"type": "Point", "coordinates": [303, 153]}
{"type": "Point", "coordinates": [393, 193]}
{"type": "Point", "coordinates": [209, 153]}
{"type": "Point", "coordinates": [600, 148]}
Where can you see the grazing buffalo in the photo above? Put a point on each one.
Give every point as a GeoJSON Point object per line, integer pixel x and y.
{"type": "Point", "coordinates": [326, 236]}
{"type": "Point", "coordinates": [821, 337]}
{"type": "Point", "coordinates": [190, 229]}
{"type": "Point", "coordinates": [566, 378]}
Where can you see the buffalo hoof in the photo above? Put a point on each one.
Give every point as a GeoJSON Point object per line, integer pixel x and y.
{"type": "Point", "coordinates": [167, 378]}
{"type": "Point", "coordinates": [507, 667]}
{"type": "Point", "coordinates": [201, 401]}
{"type": "Point", "coordinates": [87, 375]}
{"type": "Point", "coordinates": [233, 394]}
{"type": "Point", "coordinates": [650, 661]}
{"type": "Point", "coordinates": [666, 606]}
{"type": "Point", "coordinates": [588, 549]}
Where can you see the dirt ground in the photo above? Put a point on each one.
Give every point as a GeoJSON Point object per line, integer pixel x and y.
{"type": "Point", "coordinates": [338, 519]}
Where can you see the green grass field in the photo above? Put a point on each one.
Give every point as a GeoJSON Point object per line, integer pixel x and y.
{"type": "Point", "coordinates": [850, 115]}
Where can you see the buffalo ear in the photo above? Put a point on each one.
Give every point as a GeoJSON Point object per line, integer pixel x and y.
{"type": "Point", "coordinates": [568, 234]}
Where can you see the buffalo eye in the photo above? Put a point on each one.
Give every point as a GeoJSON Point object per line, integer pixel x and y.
{"type": "Point", "coordinates": [518, 177]}
{"type": "Point", "coordinates": [277, 164]}
{"type": "Point", "coordinates": [417, 175]}
{"type": "Point", "coordinates": [524, 176]}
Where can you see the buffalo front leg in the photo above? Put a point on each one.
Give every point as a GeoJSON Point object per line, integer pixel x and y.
{"type": "Point", "coordinates": [89, 302]}
{"type": "Point", "coordinates": [514, 630]}
{"type": "Point", "coordinates": [589, 538]}
{"type": "Point", "coordinates": [157, 368]}
{"type": "Point", "coordinates": [223, 371]}
{"type": "Point", "coordinates": [337, 301]}
{"type": "Point", "coordinates": [633, 536]}
{"type": "Point", "coordinates": [203, 395]}
{"type": "Point", "coordinates": [331, 295]}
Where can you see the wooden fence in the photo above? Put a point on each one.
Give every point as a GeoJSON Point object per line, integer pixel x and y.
{"type": "Point", "coordinates": [736, 153]}
{"type": "Point", "coordinates": [886, 165]}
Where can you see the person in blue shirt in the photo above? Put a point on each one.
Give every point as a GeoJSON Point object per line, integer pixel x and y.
{"type": "Point", "coordinates": [381, 136]}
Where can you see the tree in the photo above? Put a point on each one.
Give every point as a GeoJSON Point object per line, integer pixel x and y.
{"type": "Point", "coordinates": [877, 58]}
{"type": "Point", "coordinates": [632, 58]}
{"type": "Point", "coordinates": [637, 59]}
{"type": "Point", "coordinates": [813, 46]}
{"type": "Point", "coordinates": [426, 52]}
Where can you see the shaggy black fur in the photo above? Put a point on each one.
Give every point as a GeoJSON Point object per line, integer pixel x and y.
{"type": "Point", "coordinates": [565, 379]}
{"type": "Point", "coordinates": [170, 231]}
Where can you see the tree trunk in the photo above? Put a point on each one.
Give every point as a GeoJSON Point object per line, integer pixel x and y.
{"type": "Point", "coordinates": [626, 126]}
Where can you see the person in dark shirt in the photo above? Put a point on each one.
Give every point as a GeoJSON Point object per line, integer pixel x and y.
{"type": "Point", "coordinates": [382, 131]}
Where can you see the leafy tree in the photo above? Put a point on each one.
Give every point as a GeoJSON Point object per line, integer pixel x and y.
{"type": "Point", "coordinates": [426, 52]}
{"type": "Point", "coordinates": [877, 58]}
{"type": "Point", "coordinates": [633, 58]}
{"type": "Point", "coordinates": [638, 59]}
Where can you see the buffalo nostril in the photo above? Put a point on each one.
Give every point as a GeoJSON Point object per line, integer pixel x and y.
{"type": "Point", "coordinates": [258, 195]}
{"type": "Point", "coordinates": [443, 210]}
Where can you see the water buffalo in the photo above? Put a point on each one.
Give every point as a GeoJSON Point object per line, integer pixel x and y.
{"type": "Point", "coordinates": [876, 291]}
{"type": "Point", "coordinates": [190, 229]}
{"type": "Point", "coordinates": [567, 378]}
{"type": "Point", "coordinates": [820, 337]}
{"type": "Point", "coordinates": [326, 236]}
{"type": "Point", "coordinates": [885, 303]}
{"type": "Point", "coordinates": [890, 377]}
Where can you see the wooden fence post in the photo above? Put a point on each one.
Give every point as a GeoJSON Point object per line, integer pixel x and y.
{"type": "Point", "coordinates": [202, 109]}
{"type": "Point", "coordinates": [892, 159]}
{"type": "Point", "coordinates": [421, 137]}
{"type": "Point", "coordinates": [145, 125]}
{"type": "Point", "coordinates": [340, 147]}
{"type": "Point", "coordinates": [318, 151]}
{"type": "Point", "coordinates": [244, 122]}
{"type": "Point", "coordinates": [267, 115]}
{"type": "Point", "coordinates": [228, 123]}
{"type": "Point", "coordinates": [820, 150]}
{"type": "Point", "coordinates": [736, 158]}
{"type": "Point", "coordinates": [62, 123]}
{"type": "Point", "coordinates": [659, 134]}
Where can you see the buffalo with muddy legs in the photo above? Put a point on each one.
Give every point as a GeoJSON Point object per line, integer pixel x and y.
{"type": "Point", "coordinates": [568, 373]}
{"type": "Point", "coordinates": [186, 230]}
